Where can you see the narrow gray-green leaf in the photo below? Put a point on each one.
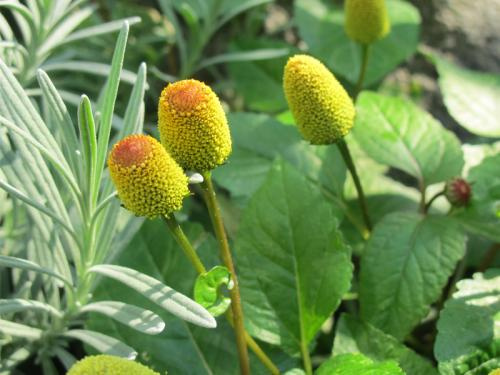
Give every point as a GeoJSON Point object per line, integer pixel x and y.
{"type": "Point", "coordinates": [13, 262]}
{"type": "Point", "coordinates": [255, 55]}
{"type": "Point", "coordinates": [396, 132]}
{"type": "Point", "coordinates": [17, 304]}
{"type": "Point", "coordinates": [481, 115]}
{"type": "Point", "coordinates": [102, 343]}
{"type": "Point", "coordinates": [355, 336]}
{"type": "Point", "coordinates": [104, 28]}
{"type": "Point", "coordinates": [19, 330]}
{"type": "Point", "coordinates": [172, 301]}
{"type": "Point", "coordinates": [88, 142]}
{"type": "Point", "coordinates": [135, 317]}
{"type": "Point", "coordinates": [404, 268]}
{"type": "Point", "coordinates": [303, 264]}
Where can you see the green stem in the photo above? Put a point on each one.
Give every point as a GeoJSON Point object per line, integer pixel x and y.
{"type": "Point", "coordinates": [422, 189]}
{"type": "Point", "coordinates": [429, 204]}
{"type": "Point", "coordinates": [183, 241]}
{"type": "Point", "coordinates": [346, 155]}
{"type": "Point", "coordinates": [365, 54]}
{"type": "Point", "coordinates": [220, 234]}
{"type": "Point", "coordinates": [306, 358]}
{"type": "Point", "coordinates": [190, 252]}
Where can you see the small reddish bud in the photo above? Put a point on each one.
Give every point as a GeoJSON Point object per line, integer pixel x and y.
{"type": "Point", "coordinates": [458, 192]}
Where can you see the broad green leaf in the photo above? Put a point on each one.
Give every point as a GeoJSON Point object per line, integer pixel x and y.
{"type": "Point", "coordinates": [164, 296]}
{"type": "Point", "coordinates": [406, 263]}
{"type": "Point", "coordinates": [19, 330]}
{"type": "Point", "coordinates": [482, 215]}
{"type": "Point", "coordinates": [396, 132]}
{"type": "Point", "coordinates": [470, 320]}
{"type": "Point", "coordinates": [321, 25]}
{"type": "Point", "coordinates": [258, 140]}
{"type": "Point", "coordinates": [260, 82]}
{"type": "Point", "coordinates": [8, 306]}
{"type": "Point", "coordinates": [102, 343]}
{"type": "Point", "coordinates": [207, 290]}
{"type": "Point", "coordinates": [294, 266]}
{"type": "Point", "coordinates": [356, 364]}
{"type": "Point", "coordinates": [471, 97]}
{"type": "Point", "coordinates": [13, 262]}
{"type": "Point", "coordinates": [355, 336]}
{"type": "Point", "coordinates": [135, 317]}
{"type": "Point", "coordinates": [190, 349]}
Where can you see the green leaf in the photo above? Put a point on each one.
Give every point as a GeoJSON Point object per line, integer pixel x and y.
{"type": "Point", "coordinates": [139, 319]}
{"type": "Point", "coordinates": [407, 262]}
{"type": "Point", "coordinates": [254, 55]}
{"type": "Point", "coordinates": [191, 349]}
{"type": "Point", "coordinates": [13, 305]}
{"type": "Point", "coordinates": [207, 290]}
{"type": "Point", "coordinates": [355, 336]}
{"type": "Point", "coordinates": [164, 296]}
{"type": "Point", "coordinates": [471, 319]}
{"type": "Point", "coordinates": [470, 97]}
{"type": "Point", "coordinates": [482, 215]}
{"type": "Point", "coordinates": [396, 132]}
{"type": "Point", "coordinates": [258, 140]}
{"type": "Point", "coordinates": [321, 25]}
{"type": "Point", "coordinates": [104, 344]}
{"type": "Point", "coordinates": [260, 82]}
{"type": "Point", "coordinates": [356, 364]}
{"type": "Point", "coordinates": [88, 143]}
{"type": "Point", "coordinates": [294, 267]}
{"type": "Point", "coordinates": [19, 330]}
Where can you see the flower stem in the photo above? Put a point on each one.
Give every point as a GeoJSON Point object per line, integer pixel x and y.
{"type": "Point", "coordinates": [365, 54]}
{"type": "Point", "coordinates": [306, 357]}
{"type": "Point", "coordinates": [183, 241]}
{"type": "Point", "coordinates": [437, 195]}
{"type": "Point", "coordinates": [346, 155]}
{"type": "Point", "coordinates": [234, 293]}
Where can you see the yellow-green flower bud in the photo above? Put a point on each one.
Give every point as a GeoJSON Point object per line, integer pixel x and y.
{"type": "Point", "coordinates": [108, 365]}
{"type": "Point", "coordinates": [366, 21]}
{"type": "Point", "coordinates": [149, 182]}
{"type": "Point", "coordinates": [193, 126]}
{"type": "Point", "coordinates": [322, 109]}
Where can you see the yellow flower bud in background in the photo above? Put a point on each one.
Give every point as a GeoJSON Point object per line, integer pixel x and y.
{"type": "Point", "coordinates": [149, 182]}
{"type": "Point", "coordinates": [193, 126]}
{"type": "Point", "coordinates": [366, 21]}
{"type": "Point", "coordinates": [322, 109]}
{"type": "Point", "coordinates": [108, 365]}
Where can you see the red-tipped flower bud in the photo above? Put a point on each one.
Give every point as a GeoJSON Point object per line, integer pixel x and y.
{"type": "Point", "coordinates": [458, 192]}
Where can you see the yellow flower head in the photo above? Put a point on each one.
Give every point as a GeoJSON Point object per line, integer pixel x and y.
{"type": "Point", "coordinates": [193, 126]}
{"type": "Point", "coordinates": [366, 21]}
{"type": "Point", "coordinates": [109, 365]}
{"type": "Point", "coordinates": [322, 109]}
{"type": "Point", "coordinates": [149, 182]}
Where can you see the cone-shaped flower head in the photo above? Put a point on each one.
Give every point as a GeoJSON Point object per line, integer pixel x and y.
{"type": "Point", "coordinates": [366, 20]}
{"type": "Point", "coordinates": [322, 109]}
{"type": "Point", "coordinates": [149, 182]}
{"type": "Point", "coordinates": [458, 192]}
{"type": "Point", "coordinates": [109, 365]}
{"type": "Point", "coordinates": [193, 126]}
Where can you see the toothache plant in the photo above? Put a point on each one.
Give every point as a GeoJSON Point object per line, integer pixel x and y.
{"type": "Point", "coordinates": [59, 174]}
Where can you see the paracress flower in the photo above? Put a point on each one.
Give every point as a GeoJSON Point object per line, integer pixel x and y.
{"type": "Point", "coordinates": [149, 182]}
{"type": "Point", "coordinates": [322, 109]}
{"type": "Point", "coordinates": [193, 126]}
{"type": "Point", "coordinates": [109, 365]}
{"type": "Point", "coordinates": [458, 192]}
{"type": "Point", "coordinates": [366, 20]}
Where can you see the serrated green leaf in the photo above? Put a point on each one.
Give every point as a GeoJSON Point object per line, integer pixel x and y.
{"type": "Point", "coordinates": [135, 317]}
{"type": "Point", "coordinates": [481, 115]}
{"type": "Point", "coordinates": [164, 296]}
{"type": "Point", "coordinates": [355, 336]}
{"type": "Point", "coordinates": [396, 132]}
{"type": "Point", "coordinates": [482, 215]}
{"type": "Point", "coordinates": [356, 364]}
{"type": "Point", "coordinates": [207, 290]}
{"type": "Point", "coordinates": [303, 265]}
{"type": "Point", "coordinates": [102, 343]}
{"type": "Point", "coordinates": [321, 25]}
{"type": "Point", "coordinates": [470, 320]}
{"type": "Point", "coordinates": [407, 262]}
